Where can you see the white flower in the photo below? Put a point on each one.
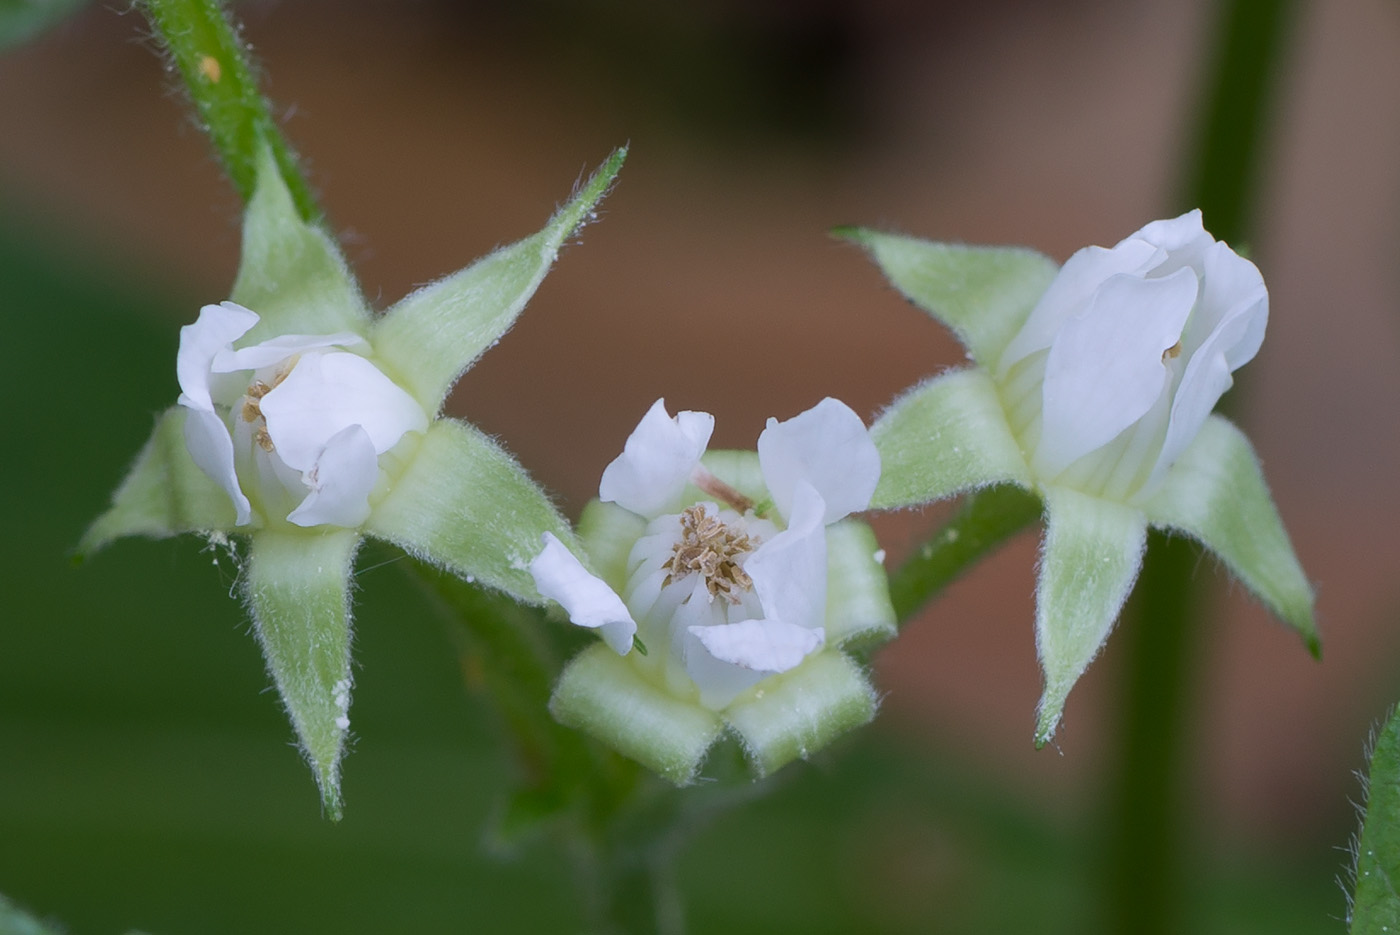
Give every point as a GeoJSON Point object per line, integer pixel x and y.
{"type": "Point", "coordinates": [722, 590]}
{"type": "Point", "coordinates": [297, 422]}
{"type": "Point", "coordinates": [325, 427]}
{"type": "Point", "coordinates": [1093, 388]}
{"type": "Point", "coordinates": [1123, 358]}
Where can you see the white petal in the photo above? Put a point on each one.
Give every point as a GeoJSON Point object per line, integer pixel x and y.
{"type": "Point", "coordinates": [1185, 233]}
{"type": "Point", "coordinates": [341, 480]}
{"type": "Point", "coordinates": [1105, 369]}
{"type": "Point", "coordinates": [217, 327]}
{"type": "Point", "coordinates": [828, 447]}
{"type": "Point", "coordinates": [210, 446]}
{"type": "Point", "coordinates": [789, 570]}
{"type": "Point", "coordinates": [656, 463]}
{"type": "Point", "coordinates": [561, 577]}
{"type": "Point", "coordinates": [767, 646]}
{"type": "Point", "coordinates": [1207, 376]}
{"type": "Point", "coordinates": [726, 660]}
{"type": "Point", "coordinates": [1230, 286]}
{"type": "Point", "coordinates": [326, 393]}
{"type": "Point", "coordinates": [1072, 289]}
{"type": "Point", "coordinates": [280, 348]}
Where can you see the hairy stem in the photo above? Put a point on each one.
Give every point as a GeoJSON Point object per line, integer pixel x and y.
{"type": "Point", "coordinates": [219, 76]}
{"type": "Point", "coordinates": [986, 520]}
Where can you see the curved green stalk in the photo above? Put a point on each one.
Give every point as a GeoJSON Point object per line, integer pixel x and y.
{"type": "Point", "coordinates": [986, 519]}
{"type": "Point", "coordinates": [218, 73]}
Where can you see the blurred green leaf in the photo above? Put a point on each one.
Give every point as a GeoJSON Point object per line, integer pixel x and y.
{"type": "Point", "coordinates": [1376, 903]}
{"type": "Point", "coordinates": [22, 20]}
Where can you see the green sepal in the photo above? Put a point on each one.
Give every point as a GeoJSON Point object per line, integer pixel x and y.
{"type": "Point", "coordinates": [794, 714]}
{"type": "Point", "coordinates": [291, 273]}
{"type": "Point", "coordinates": [857, 588]}
{"type": "Point", "coordinates": [464, 504]}
{"type": "Point", "coordinates": [430, 337]}
{"type": "Point", "coordinates": [297, 586]}
{"type": "Point", "coordinates": [945, 436]}
{"type": "Point", "coordinates": [1375, 902]}
{"type": "Point", "coordinates": [164, 494]}
{"type": "Point", "coordinates": [738, 468]}
{"type": "Point", "coordinates": [604, 695]}
{"type": "Point", "coordinates": [1092, 553]}
{"type": "Point", "coordinates": [984, 294]}
{"type": "Point", "coordinates": [1216, 493]}
{"type": "Point", "coordinates": [608, 533]}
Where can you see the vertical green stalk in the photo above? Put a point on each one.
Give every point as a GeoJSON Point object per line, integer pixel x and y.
{"type": "Point", "coordinates": [1148, 805]}
{"type": "Point", "coordinates": [1144, 870]}
{"type": "Point", "coordinates": [222, 84]}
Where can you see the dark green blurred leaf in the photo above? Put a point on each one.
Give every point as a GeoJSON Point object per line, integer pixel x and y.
{"type": "Point", "coordinates": [22, 20]}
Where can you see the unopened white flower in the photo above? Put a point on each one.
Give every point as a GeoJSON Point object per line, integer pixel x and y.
{"type": "Point", "coordinates": [1125, 355]}
{"type": "Point", "coordinates": [719, 567]}
{"type": "Point", "coordinates": [1094, 389]}
{"type": "Point", "coordinates": [298, 421]}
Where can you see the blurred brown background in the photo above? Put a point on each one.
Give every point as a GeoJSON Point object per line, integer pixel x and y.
{"type": "Point", "coordinates": [436, 131]}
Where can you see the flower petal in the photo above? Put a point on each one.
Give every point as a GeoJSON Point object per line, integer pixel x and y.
{"type": "Point", "coordinates": [290, 271]}
{"type": "Point", "coordinates": [164, 493]}
{"type": "Point", "coordinates": [943, 437]}
{"type": "Point", "coordinates": [464, 504]}
{"type": "Point", "coordinates": [1092, 552]}
{"type": "Point", "coordinates": [1105, 368]}
{"type": "Point", "coordinates": [324, 394]}
{"type": "Point", "coordinates": [608, 533]}
{"type": "Point", "coordinates": [797, 713]}
{"type": "Point", "coordinates": [726, 660]}
{"type": "Point", "coordinates": [1216, 494]}
{"type": "Point", "coordinates": [561, 577]}
{"type": "Point", "coordinates": [789, 570]}
{"type": "Point", "coordinates": [341, 480]}
{"type": "Point", "coordinates": [657, 461]}
{"type": "Point", "coordinates": [214, 331]}
{"type": "Point", "coordinates": [1184, 236]}
{"type": "Point", "coordinates": [280, 348]}
{"type": "Point", "coordinates": [1074, 286]}
{"type": "Point", "coordinates": [828, 447]}
{"type": "Point", "coordinates": [211, 447]}
{"type": "Point", "coordinates": [433, 335]}
{"type": "Point", "coordinates": [297, 588]}
{"type": "Point", "coordinates": [606, 696]}
{"type": "Point", "coordinates": [1231, 343]}
{"type": "Point", "coordinates": [982, 293]}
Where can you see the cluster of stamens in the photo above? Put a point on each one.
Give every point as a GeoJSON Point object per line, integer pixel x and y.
{"type": "Point", "coordinates": [712, 550]}
{"type": "Point", "coordinates": [252, 407]}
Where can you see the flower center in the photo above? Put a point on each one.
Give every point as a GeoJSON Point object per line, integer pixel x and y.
{"type": "Point", "coordinates": [711, 549]}
{"type": "Point", "coordinates": [251, 408]}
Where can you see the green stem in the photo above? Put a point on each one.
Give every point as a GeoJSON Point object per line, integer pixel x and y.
{"type": "Point", "coordinates": [985, 520]}
{"type": "Point", "coordinates": [1222, 178]}
{"type": "Point", "coordinates": [1147, 811]}
{"type": "Point", "coordinates": [507, 654]}
{"type": "Point", "coordinates": [219, 76]}
{"type": "Point", "coordinates": [1147, 805]}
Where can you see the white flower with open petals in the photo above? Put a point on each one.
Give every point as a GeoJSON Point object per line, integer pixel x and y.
{"type": "Point", "coordinates": [740, 575]}
{"type": "Point", "coordinates": [1093, 388]}
{"type": "Point", "coordinates": [302, 418]}
{"type": "Point", "coordinates": [307, 422]}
